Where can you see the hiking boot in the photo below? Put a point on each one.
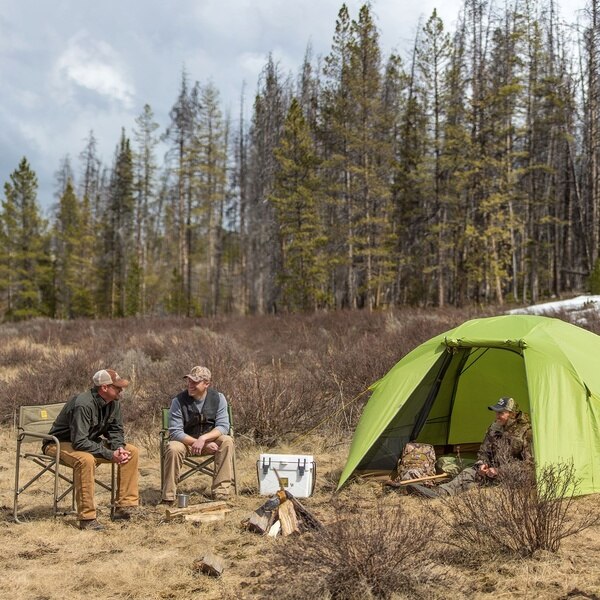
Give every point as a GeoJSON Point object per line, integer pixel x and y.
{"type": "Point", "coordinates": [221, 497]}
{"type": "Point", "coordinates": [121, 514]}
{"type": "Point", "coordinates": [422, 490]}
{"type": "Point", "coordinates": [167, 503]}
{"type": "Point", "coordinates": [91, 525]}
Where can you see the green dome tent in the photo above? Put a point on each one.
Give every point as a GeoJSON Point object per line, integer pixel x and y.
{"type": "Point", "coordinates": [439, 394]}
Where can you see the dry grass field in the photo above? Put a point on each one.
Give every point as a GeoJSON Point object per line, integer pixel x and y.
{"type": "Point", "coordinates": [283, 377]}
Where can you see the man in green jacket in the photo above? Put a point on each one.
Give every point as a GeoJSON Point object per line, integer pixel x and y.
{"type": "Point", "coordinates": [90, 431]}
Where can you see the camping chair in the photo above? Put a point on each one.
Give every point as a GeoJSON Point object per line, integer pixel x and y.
{"type": "Point", "coordinates": [196, 465]}
{"type": "Point", "coordinates": [33, 426]}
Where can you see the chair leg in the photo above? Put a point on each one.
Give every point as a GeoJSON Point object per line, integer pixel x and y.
{"type": "Point", "coordinates": [162, 461]}
{"type": "Point", "coordinates": [113, 487]}
{"type": "Point", "coordinates": [235, 480]}
{"type": "Point", "coordinates": [16, 494]}
{"type": "Point", "coordinates": [53, 467]}
{"type": "Point", "coordinates": [56, 476]}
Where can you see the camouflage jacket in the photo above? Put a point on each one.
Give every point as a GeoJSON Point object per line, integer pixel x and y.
{"type": "Point", "coordinates": [504, 443]}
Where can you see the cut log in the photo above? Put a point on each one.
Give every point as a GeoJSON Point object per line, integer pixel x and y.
{"type": "Point", "coordinates": [288, 518]}
{"type": "Point", "coordinates": [261, 520]}
{"type": "Point", "coordinates": [283, 506]}
{"type": "Point", "coordinates": [207, 517]}
{"type": "Point", "coordinates": [196, 508]}
{"type": "Point", "coordinates": [211, 564]}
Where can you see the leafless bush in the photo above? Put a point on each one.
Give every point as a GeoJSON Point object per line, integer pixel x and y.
{"type": "Point", "coordinates": [521, 515]}
{"type": "Point", "coordinates": [367, 555]}
{"type": "Point", "coordinates": [16, 351]}
{"type": "Point", "coordinates": [283, 375]}
{"type": "Point", "coordinates": [55, 379]}
{"type": "Point", "coordinates": [271, 403]}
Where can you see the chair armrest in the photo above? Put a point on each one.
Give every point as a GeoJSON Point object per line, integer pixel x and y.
{"type": "Point", "coordinates": [34, 434]}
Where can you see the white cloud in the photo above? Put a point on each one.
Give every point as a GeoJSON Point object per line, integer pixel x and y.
{"type": "Point", "coordinates": [94, 66]}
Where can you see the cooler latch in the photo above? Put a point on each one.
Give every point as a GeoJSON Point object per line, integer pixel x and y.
{"type": "Point", "coordinates": [301, 467]}
{"type": "Point", "coordinates": [265, 466]}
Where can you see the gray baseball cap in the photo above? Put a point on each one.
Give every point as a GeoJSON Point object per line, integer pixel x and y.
{"type": "Point", "coordinates": [505, 403]}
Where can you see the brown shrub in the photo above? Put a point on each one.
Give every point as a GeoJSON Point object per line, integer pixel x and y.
{"type": "Point", "coordinates": [282, 374]}
{"type": "Point", "coordinates": [520, 516]}
{"type": "Point", "coordinates": [371, 554]}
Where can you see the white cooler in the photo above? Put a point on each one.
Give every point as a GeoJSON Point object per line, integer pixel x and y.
{"type": "Point", "coordinates": [296, 471]}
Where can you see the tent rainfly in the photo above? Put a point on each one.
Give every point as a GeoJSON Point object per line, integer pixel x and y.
{"type": "Point", "coordinates": [439, 394]}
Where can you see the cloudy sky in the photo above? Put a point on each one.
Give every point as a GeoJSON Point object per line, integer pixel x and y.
{"type": "Point", "coordinates": [71, 66]}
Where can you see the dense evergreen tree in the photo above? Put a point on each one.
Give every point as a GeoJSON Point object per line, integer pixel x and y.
{"type": "Point", "coordinates": [120, 291]}
{"type": "Point", "coordinates": [73, 242]}
{"type": "Point", "coordinates": [296, 197]}
{"type": "Point", "coordinates": [25, 261]}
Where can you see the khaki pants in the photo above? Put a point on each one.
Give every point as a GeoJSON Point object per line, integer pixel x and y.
{"type": "Point", "coordinates": [222, 483]}
{"type": "Point", "coordinates": [84, 475]}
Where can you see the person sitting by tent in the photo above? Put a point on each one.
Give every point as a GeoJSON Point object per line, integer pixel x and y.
{"type": "Point", "coordinates": [508, 438]}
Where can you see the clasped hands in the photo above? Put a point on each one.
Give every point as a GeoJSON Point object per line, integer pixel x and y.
{"type": "Point", "coordinates": [201, 446]}
{"type": "Point", "coordinates": [121, 456]}
{"type": "Point", "coordinates": [488, 471]}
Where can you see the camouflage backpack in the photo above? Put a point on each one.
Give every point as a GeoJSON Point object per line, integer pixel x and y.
{"type": "Point", "coordinates": [417, 460]}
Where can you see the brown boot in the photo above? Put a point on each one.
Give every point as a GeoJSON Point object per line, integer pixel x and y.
{"type": "Point", "coordinates": [91, 525]}
{"type": "Point", "coordinates": [121, 514]}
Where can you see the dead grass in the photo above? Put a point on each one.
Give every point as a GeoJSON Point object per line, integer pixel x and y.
{"type": "Point", "coordinates": [152, 559]}
{"type": "Point", "coordinates": [322, 361]}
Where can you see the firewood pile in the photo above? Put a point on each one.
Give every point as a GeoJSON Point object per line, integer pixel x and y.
{"type": "Point", "coordinates": [282, 514]}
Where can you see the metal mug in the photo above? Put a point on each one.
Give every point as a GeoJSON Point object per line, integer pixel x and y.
{"type": "Point", "coordinates": [182, 500]}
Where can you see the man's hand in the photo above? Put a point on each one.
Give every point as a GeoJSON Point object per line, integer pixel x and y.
{"type": "Point", "coordinates": [210, 448]}
{"type": "Point", "coordinates": [487, 471]}
{"type": "Point", "coordinates": [121, 456]}
{"type": "Point", "coordinates": [198, 446]}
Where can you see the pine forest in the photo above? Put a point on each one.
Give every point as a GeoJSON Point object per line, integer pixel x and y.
{"type": "Point", "coordinates": [466, 171]}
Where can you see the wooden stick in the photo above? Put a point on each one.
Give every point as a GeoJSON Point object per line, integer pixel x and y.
{"type": "Point", "coordinates": [306, 520]}
{"type": "Point", "coordinates": [407, 481]}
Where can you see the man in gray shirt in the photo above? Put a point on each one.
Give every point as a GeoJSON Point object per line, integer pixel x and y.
{"type": "Point", "coordinates": [198, 425]}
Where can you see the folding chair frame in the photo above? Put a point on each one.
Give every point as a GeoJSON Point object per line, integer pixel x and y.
{"type": "Point", "coordinates": [196, 465]}
{"type": "Point", "coordinates": [49, 464]}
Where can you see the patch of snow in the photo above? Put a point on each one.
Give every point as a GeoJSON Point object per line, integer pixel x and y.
{"type": "Point", "coordinates": [584, 305]}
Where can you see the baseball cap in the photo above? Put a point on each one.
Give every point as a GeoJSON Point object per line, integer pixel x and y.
{"type": "Point", "coordinates": [199, 373]}
{"type": "Point", "coordinates": [109, 377]}
{"type": "Point", "coordinates": [505, 403]}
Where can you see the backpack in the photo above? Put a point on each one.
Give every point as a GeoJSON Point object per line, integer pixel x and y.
{"type": "Point", "coordinates": [417, 460]}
